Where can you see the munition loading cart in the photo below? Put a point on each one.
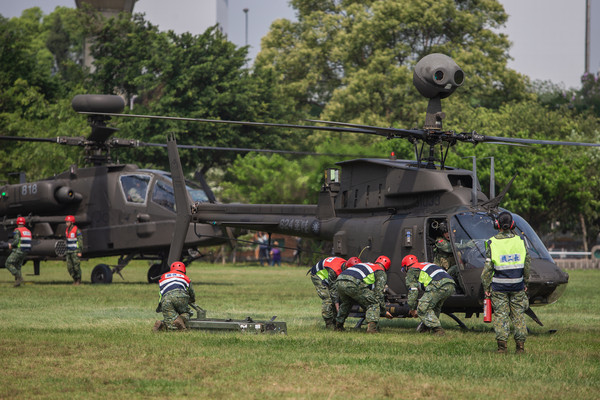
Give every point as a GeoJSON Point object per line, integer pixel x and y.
{"type": "Point", "coordinates": [247, 325]}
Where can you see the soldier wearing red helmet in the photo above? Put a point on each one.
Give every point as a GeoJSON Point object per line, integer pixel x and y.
{"type": "Point", "coordinates": [176, 295]}
{"type": "Point", "coordinates": [438, 286]}
{"type": "Point", "coordinates": [363, 284]}
{"type": "Point", "coordinates": [323, 275]}
{"type": "Point", "coordinates": [74, 249]}
{"type": "Point", "coordinates": [21, 245]}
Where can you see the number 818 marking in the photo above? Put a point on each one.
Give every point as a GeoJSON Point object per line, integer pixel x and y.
{"type": "Point", "coordinates": [28, 189]}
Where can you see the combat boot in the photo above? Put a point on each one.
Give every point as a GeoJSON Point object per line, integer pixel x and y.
{"type": "Point", "coordinates": [158, 326]}
{"type": "Point", "coordinates": [438, 331]}
{"type": "Point", "coordinates": [329, 323]}
{"type": "Point", "coordinates": [372, 327]}
{"type": "Point", "coordinates": [422, 328]}
{"type": "Point", "coordinates": [339, 327]}
{"type": "Point", "coordinates": [501, 347]}
{"type": "Point", "coordinates": [179, 323]}
{"type": "Point", "coordinates": [77, 282]}
{"type": "Point", "coordinates": [520, 348]}
{"type": "Point", "coordinates": [18, 281]}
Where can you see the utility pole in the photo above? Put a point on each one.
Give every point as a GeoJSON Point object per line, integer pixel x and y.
{"type": "Point", "coordinates": [587, 36]}
{"type": "Point", "coordinates": [246, 12]}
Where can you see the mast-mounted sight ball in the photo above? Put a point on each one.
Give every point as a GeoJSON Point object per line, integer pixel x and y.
{"type": "Point", "coordinates": [437, 75]}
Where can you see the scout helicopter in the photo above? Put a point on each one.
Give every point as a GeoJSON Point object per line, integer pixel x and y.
{"type": "Point", "coordinates": [122, 210]}
{"type": "Point", "coordinates": [395, 207]}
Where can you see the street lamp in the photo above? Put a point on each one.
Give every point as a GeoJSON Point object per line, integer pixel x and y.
{"type": "Point", "coordinates": [246, 12]}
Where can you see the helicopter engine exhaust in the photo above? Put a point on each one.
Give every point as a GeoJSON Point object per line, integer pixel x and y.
{"type": "Point", "coordinates": [66, 195]}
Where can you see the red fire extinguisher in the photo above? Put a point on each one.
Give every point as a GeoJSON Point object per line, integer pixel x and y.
{"type": "Point", "coordinates": [487, 310]}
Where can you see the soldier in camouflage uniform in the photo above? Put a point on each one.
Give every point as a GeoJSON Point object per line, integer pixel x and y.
{"type": "Point", "coordinates": [438, 286]}
{"type": "Point", "coordinates": [74, 249]}
{"type": "Point", "coordinates": [505, 277]}
{"type": "Point", "coordinates": [21, 245]}
{"type": "Point", "coordinates": [442, 252]}
{"type": "Point", "coordinates": [176, 295]}
{"type": "Point", "coordinates": [364, 284]}
{"type": "Point", "coordinates": [323, 276]}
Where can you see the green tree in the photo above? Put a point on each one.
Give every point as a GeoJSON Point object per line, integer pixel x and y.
{"type": "Point", "coordinates": [588, 97]}
{"type": "Point", "coordinates": [352, 60]}
{"type": "Point", "coordinates": [195, 76]}
{"type": "Point", "coordinates": [554, 183]}
{"type": "Point", "coordinates": [33, 98]}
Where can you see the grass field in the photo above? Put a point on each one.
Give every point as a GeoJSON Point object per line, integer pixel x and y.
{"type": "Point", "coordinates": [95, 341]}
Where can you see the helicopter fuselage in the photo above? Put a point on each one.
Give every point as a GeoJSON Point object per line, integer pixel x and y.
{"type": "Point", "coordinates": [393, 207]}
{"type": "Point", "coordinates": [121, 210]}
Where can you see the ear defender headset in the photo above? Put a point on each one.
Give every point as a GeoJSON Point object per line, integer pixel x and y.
{"type": "Point", "coordinates": [505, 217]}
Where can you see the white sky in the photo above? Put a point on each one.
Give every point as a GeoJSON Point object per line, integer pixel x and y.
{"type": "Point", "coordinates": [548, 35]}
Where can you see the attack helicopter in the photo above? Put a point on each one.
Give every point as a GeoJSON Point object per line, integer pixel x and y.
{"type": "Point", "coordinates": [395, 207]}
{"type": "Point", "coordinates": [122, 210]}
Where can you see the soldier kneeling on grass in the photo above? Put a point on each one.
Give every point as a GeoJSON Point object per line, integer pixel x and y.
{"type": "Point", "coordinates": [176, 295]}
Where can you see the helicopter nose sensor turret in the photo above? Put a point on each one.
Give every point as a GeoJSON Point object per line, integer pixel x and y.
{"type": "Point", "coordinates": [437, 75]}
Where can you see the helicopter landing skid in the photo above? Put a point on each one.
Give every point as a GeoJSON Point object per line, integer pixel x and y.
{"type": "Point", "coordinates": [534, 317]}
{"type": "Point", "coordinates": [458, 321]}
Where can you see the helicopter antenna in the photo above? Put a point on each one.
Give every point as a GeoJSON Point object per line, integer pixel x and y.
{"type": "Point", "coordinates": [495, 202]}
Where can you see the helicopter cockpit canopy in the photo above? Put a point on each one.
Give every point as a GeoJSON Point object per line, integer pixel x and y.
{"type": "Point", "coordinates": [136, 187]}
{"type": "Point", "coordinates": [470, 231]}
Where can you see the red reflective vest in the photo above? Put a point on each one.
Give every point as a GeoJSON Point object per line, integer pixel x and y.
{"type": "Point", "coordinates": [173, 280]}
{"type": "Point", "coordinates": [430, 272]}
{"type": "Point", "coordinates": [364, 272]}
{"type": "Point", "coordinates": [72, 238]}
{"type": "Point", "coordinates": [335, 263]}
{"type": "Point", "coordinates": [25, 241]}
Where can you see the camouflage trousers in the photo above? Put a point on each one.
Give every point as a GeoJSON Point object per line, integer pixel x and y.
{"type": "Point", "coordinates": [73, 265]}
{"type": "Point", "coordinates": [510, 306]}
{"type": "Point", "coordinates": [14, 263]}
{"type": "Point", "coordinates": [327, 306]}
{"type": "Point", "coordinates": [174, 304]}
{"type": "Point", "coordinates": [351, 292]}
{"type": "Point", "coordinates": [430, 304]}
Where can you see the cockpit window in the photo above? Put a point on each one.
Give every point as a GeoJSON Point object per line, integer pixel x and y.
{"type": "Point", "coordinates": [135, 188]}
{"type": "Point", "coordinates": [163, 195]}
{"type": "Point", "coordinates": [196, 192]}
{"type": "Point", "coordinates": [469, 232]}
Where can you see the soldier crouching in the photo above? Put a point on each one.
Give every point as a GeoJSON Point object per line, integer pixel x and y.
{"type": "Point", "coordinates": [176, 295]}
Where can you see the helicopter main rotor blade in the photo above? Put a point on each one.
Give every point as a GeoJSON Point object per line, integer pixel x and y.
{"type": "Point", "coordinates": [474, 137]}
{"type": "Point", "coordinates": [242, 149]}
{"type": "Point", "coordinates": [29, 139]}
{"type": "Point", "coordinates": [132, 143]}
{"type": "Point", "coordinates": [429, 136]}
{"type": "Point", "coordinates": [184, 215]}
{"type": "Point", "coordinates": [244, 123]}
{"type": "Point", "coordinates": [390, 133]}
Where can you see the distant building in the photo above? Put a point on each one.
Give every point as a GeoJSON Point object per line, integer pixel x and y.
{"type": "Point", "coordinates": [592, 37]}
{"type": "Point", "coordinates": [108, 8]}
{"type": "Point", "coordinates": [194, 16]}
